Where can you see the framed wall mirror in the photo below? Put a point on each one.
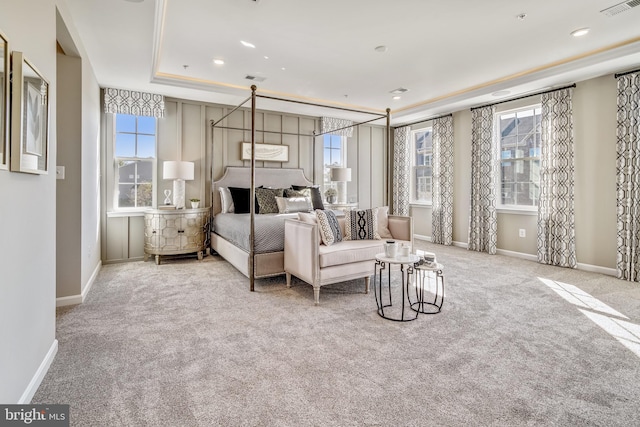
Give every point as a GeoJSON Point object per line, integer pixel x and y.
{"type": "Point", "coordinates": [29, 117]}
{"type": "Point", "coordinates": [4, 102]}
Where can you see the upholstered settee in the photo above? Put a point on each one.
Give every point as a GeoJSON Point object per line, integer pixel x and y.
{"type": "Point", "coordinates": [308, 259]}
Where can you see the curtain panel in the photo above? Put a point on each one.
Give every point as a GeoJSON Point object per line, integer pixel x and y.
{"type": "Point", "coordinates": [334, 126]}
{"type": "Point", "coordinates": [442, 178]}
{"type": "Point", "coordinates": [556, 224]}
{"type": "Point", "coordinates": [628, 178]}
{"type": "Point", "coordinates": [122, 101]}
{"type": "Point", "coordinates": [483, 219]}
{"type": "Point", "coordinates": [401, 170]}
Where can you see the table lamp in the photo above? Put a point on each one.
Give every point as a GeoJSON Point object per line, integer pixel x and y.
{"type": "Point", "coordinates": [341, 176]}
{"type": "Point", "coordinates": [179, 172]}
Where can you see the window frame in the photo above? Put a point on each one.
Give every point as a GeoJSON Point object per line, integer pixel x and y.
{"type": "Point", "coordinates": [326, 174]}
{"type": "Point", "coordinates": [514, 208]}
{"type": "Point", "coordinates": [413, 167]}
{"type": "Point", "coordinates": [113, 159]}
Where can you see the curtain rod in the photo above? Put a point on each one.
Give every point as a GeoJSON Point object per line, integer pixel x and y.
{"type": "Point", "coordinates": [626, 72]}
{"type": "Point", "coordinates": [423, 120]}
{"type": "Point", "coordinates": [525, 96]}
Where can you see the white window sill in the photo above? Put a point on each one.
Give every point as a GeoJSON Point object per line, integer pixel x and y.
{"type": "Point", "coordinates": [517, 211]}
{"type": "Point", "coordinates": [123, 214]}
{"type": "Point", "coordinates": [420, 204]}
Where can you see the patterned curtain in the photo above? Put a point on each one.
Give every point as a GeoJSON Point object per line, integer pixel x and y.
{"type": "Point", "coordinates": [442, 178]}
{"type": "Point", "coordinates": [328, 124]}
{"type": "Point", "coordinates": [556, 225]}
{"type": "Point", "coordinates": [121, 101]}
{"type": "Point", "coordinates": [401, 170]}
{"type": "Point", "coordinates": [628, 178]}
{"type": "Point", "coordinates": [483, 224]}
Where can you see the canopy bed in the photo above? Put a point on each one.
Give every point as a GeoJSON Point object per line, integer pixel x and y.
{"type": "Point", "coordinates": [254, 243]}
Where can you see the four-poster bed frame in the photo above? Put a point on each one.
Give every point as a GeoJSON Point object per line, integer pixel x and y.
{"type": "Point", "coordinates": [253, 130]}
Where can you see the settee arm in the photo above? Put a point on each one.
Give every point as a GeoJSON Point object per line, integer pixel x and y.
{"type": "Point", "coordinates": [301, 256]}
{"type": "Point", "coordinates": [401, 228]}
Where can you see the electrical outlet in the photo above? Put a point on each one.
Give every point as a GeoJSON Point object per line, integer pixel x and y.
{"type": "Point", "coordinates": [522, 232]}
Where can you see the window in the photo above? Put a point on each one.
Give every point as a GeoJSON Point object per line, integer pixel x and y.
{"type": "Point", "coordinates": [519, 148]}
{"type": "Point", "coordinates": [334, 156]}
{"type": "Point", "coordinates": [135, 157]}
{"type": "Point", "coordinates": [422, 150]}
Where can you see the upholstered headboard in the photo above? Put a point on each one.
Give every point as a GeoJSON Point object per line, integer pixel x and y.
{"type": "Point", "coordinates": [269, 177]}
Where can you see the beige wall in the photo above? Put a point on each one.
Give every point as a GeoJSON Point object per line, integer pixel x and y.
{"type": "Point", "coordinates": [185, 134]}
{"type": "Point", "coordinates": [69, 196]}
{"type": "Point", "coordinates": [594, 108]}
{"type": "Point", "coordinates": [28, 224]}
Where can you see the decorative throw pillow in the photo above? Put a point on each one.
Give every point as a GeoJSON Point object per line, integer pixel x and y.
{"type": "Point", "coordinates": [293, 204]}
{"type": "Point", "coordinates": [361, 225]}
{"type": "Point", "coordinates": [313, 192]}
{"type": "Point", "coordinates": [329, 227]}
{"type": "Point", "coordinates": [226, 201]}
{"type": "Point", "coordinates": [289, 192]}
{"type": "Point", "coordinates": [240, 198]}
{"type": "Point", "coordinates": [266, 198]}
{"type": "Point", "coordinates": [383, 223]}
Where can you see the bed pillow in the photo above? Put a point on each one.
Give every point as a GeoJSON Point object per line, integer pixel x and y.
{"type": "Point", "coordinates": [313, 192]}
{"type": "Point", "coordinates": [329, 227]}
{"type": "Point", "coordinates": [266, 199]}
{"type": "Point", "coordinates": [383, 223]}
{"type": "Point", "coordinates": [293, 204]}
{"type": "Point", "coordinates": [240, 198]}
{"type": "Point", "coordinates": [361, 224]}
{"type": "Point", "coordinates": [226, 201]}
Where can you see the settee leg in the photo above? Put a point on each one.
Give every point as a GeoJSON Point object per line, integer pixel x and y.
{"type": "Point", "coordinates": [316, 294]}
{"type": "Point", "coordinates": [288, 276]}
{"type": "Point", "coordinates": [367, 281]}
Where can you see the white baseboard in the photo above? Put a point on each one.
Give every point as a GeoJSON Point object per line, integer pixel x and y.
{"type": "Point", "coordinates": [79, 299]}
{"type": "Point", "coordinates": [39, 375]}
{"type": "Point", "coordinates": [520, 255]}
{"type": "Point", "coordinates": [463, 245]}
{"type": "Point", "coordinates": [422, 237]}
{"type": "Point", "coordinates": [581, 266]}
{"type": "Point", "coordinates": [597, 269]}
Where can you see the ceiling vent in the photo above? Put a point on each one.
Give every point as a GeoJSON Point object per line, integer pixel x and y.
{"type": "Point", "coordinates": [255, 78]}
{"type": "Point", "coordinates": [399, 91]}
{"type": "Point", "coordinates": [619, 8]}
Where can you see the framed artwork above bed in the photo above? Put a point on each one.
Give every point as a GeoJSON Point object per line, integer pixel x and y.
{"type": "Point", "coordinates": [266, 152]}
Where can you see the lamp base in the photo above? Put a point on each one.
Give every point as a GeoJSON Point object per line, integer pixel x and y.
{"type": "Point", "coordinates": [178, 193]}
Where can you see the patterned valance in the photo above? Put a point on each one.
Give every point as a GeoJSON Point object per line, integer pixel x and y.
{"type": "Point", "coordinates": [122, 101]}
{"type": "Point", "coordinates": [335, 126]}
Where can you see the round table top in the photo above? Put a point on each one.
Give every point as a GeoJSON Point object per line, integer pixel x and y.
{"type": "Point", "coordinates": [411, 259]}
{"type": "Point", "coordinates": [434, 267]}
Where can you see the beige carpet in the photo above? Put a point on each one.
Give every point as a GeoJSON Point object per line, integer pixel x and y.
{"type": "Point", "coordinates": [186, 344]}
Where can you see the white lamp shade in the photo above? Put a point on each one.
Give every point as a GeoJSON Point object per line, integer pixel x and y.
{"type": "Point", "coordinates": [341, 174]}
{"type": "Point", "coordinates": [178, 170]}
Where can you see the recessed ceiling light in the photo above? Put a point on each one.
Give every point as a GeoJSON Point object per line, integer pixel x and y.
{"type": "Point", "coordinates": [266, 57]}
{"type": "Point", "coordinates": [218, 61]}
{"type": "Point", "coordinates": [501, 93]}
{"type": "Point", "coordinates": [395, 98]}
{"type": "Point", "coordinates": [580, 32]}
{"type": "Point", "coordinates": [247, 44]}
{"type": "Point", "coordinates": [283, 69]}
{"type": "Point", "coordinates": [380, 49]}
